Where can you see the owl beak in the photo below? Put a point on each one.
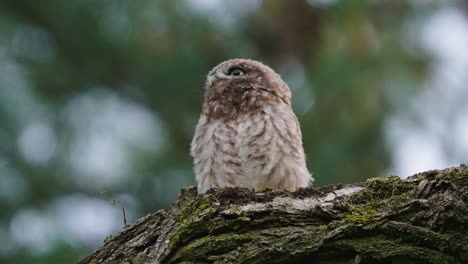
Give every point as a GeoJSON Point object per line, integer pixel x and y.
{"type": "Point", "coordinates": [211, 79]}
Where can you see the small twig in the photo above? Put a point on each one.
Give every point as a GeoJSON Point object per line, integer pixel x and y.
{"type": "Point", "coordinates": [114, 201]}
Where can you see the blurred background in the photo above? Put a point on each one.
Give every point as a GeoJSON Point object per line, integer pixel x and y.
{"type": "Point", "coordinates": [99, 100]}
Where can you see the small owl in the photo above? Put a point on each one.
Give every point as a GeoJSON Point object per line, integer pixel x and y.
{"type": "Point", "coordinates": [248, 134]}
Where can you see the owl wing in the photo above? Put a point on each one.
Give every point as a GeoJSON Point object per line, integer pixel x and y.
{"type": "Point", "coordinates": [272, 150]}
{"type": "Point", "coordinates": [216, 156]}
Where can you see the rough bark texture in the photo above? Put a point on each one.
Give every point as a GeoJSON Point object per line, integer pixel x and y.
{"type": "Point", "coordinates": [422, 219]}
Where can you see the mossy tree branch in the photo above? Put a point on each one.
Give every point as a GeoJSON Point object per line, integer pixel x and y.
{"type": "Point", "coordinates": [422, 219]}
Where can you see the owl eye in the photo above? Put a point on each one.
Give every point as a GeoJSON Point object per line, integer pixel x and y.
{"type": "Point", "coordinates": [236, 71]}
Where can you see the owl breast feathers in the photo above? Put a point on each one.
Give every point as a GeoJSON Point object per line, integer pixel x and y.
{"type": "Point", "coordinates": [247, 134]}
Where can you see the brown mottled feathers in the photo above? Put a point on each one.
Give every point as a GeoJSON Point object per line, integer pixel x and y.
{"type": "Point", "coordinates": [247, 134]}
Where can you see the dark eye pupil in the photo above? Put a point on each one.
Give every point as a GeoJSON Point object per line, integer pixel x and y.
{"type": "Point", "coordinates": [237, 72]}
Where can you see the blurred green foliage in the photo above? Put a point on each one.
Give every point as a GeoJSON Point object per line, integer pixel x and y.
{"type": "Point", "coordinates": [345, 62]}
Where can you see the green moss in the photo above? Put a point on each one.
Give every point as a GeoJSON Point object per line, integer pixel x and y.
{"type": "Point", "coordinates": [188, 232]}
{"type": "Point", "coordinates": [205, 202]}
{"type": "Point", "coordinates": [378, 189]}
{"type": "Point", "coordinates": [186, 212]}
{"type": "Point", "coordinates": [175, 239]}
{"type": "Point", "coordinates": [360, 215]}
{"type": "Point", "coordinates": [93, 261]}
{"type": "Point", "coordinates": [237, 211]}
{"type": "Point", "coordinates": [192, 223]}
{"type": "Point", "coordinates": [127, 261]}
{"type": "Point", "coordinates": [457, 176]}
{"type": "Point", "coordinates": [343, 227]}
{"type": "Point", "coordinates": [265, 189]}
{"type": "Point", "coordinates": [192, 211]}
{"type": "Point", "coordinates": [244, 218]}
{"type": "Point", "coordinates": [323, 227]}
{"type": "Point", "coordinates": [355, 217]}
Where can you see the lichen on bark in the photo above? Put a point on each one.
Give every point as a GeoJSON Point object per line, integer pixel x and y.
{"type": "Point", "coordinates": [421, 219]}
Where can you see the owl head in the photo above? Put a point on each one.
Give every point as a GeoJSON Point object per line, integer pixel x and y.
{"type": "Point", "coordinates": [239, 86]}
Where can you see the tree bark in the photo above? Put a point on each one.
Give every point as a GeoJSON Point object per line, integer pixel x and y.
{"type": "Point", "coordinates": [422, 219]}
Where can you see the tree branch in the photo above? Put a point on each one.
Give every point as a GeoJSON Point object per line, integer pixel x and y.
{"type": "Point", "coordinates": [422, 219]}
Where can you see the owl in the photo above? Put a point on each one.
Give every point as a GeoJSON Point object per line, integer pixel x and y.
{"type": "Point", "coordinates": [247, 134]}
